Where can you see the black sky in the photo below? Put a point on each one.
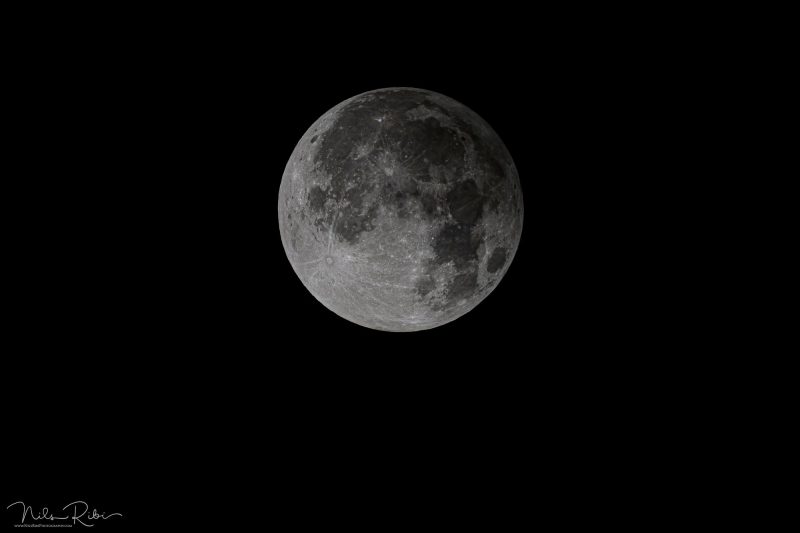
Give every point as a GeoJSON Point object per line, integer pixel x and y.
{"type": "Point", "coordinates": [161, 352]}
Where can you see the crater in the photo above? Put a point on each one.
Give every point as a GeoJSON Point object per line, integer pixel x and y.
{"type": "Point", "coordinates": [496, 260]}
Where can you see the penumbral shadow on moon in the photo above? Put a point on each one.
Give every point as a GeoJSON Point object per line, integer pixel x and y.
{"type": "Point", "coordinates": [400, 209]}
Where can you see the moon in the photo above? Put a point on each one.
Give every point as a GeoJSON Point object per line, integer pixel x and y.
{"type": "Point", "coordinates": [400, 209]}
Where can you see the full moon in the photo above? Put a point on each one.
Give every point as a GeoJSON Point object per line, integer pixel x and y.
{"type": "Point", "coordinates": [400, 209]}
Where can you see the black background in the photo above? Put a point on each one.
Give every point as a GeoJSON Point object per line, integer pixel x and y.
{"type": "Point", "coordinates": [162, 359]}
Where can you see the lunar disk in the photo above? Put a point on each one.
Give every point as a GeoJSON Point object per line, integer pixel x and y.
{"type": "Point", "coordinates": [400, 209]}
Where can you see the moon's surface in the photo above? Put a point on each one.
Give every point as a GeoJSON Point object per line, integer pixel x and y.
{"type": "Point", "coordinates": [400, 209]}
